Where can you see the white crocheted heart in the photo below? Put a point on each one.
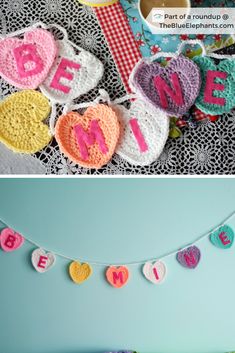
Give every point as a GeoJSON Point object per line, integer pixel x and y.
{"type": "Point", "coordinates": [84, 79]}
{"type": "Point", "coordinates": [42, 261]}
{"type": "Point", "coordinates": [154, 126]}
{"type": "Point", "coordinates": [156, 272]}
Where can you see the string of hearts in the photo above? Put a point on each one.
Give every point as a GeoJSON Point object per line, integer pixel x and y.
{"type": "Point", "coordinates": [63, 71]}
{"type": "Point", "coordinates": [118, 275]}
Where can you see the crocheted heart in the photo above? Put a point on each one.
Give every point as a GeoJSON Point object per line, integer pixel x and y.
{"type": "Point", "coordinates": [21, 121]}
{"type": "Point", "coordinates": [223, 237]}
{"type": "Point", "coordinates": [156, 272]}
{"type": "Point", "coordinates": [10, 240]}
{"type": "Point", "coordinates": [172, 89]}
{"type": "Point", "coordinates": [189, 257]}
{"type": "Point", "coordinates": [117, 276]}
{"type": "Point", "coordinates": [144, 133]}
{"type": "Point", "coordinates": [71, 74]}
{"type": "Point", "coordinates": [90, 139]}
{"type": "Point", "coordinates": [79, 272]}
{"type": "Point", "coordinates": [26, 62]}
{"type": "Point", "coordinates": [42, 261]}
{"type": "Point", "coordinates": [218, 85]}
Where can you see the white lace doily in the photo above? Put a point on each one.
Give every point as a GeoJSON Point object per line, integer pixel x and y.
{"type": "Point", "coordinates": [208, 149]}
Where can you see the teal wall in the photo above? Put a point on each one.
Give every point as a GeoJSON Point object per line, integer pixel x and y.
{"type": "Point", "coordinates": [117, 221]}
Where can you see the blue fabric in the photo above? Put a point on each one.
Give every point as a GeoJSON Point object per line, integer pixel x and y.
{"type": "Point", "coordinates": [150, 43]}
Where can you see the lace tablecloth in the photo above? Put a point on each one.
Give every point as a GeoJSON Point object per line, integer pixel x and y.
{"type": "Point", "coordinates": [208, 149]}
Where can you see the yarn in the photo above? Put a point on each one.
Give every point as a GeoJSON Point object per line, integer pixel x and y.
{"type": "Point", "coordinates": [218, 84]}
{"type": "Point", "coordinates": [189, 257]}
{"type": "Point", "coordinates": [71, 74]}
{"type": "Point", "coordinates": [26, 62]}
{"type": "Point", "coordinates": [173, 88]}
{"type": "Point", "coordinates": [21, 121]}
{"type": "Point", "coordinates": [154, 128]}
{"type": "Point", "coordinates": [223, 237]}
{"type": "Point", "coordinates": [117, 276]}
{"type": "Point", "coordinates": [155, 272]}
{"type": "Point", "coordinates": [42, 261]}
{"type": "Point", "coordinates": [10, 240]}
{"type": "Point", "coordinates": [79, 272]}
{"type": "Point", "coordinates": [88, 145]}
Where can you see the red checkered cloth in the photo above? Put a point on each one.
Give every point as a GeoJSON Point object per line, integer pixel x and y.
{"type": "Point", "coordinates": [120, 39]}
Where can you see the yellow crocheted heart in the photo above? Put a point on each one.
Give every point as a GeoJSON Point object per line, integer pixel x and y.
{"type": "Point", "coordinates": [79, 272]}
{"type": "Point", "coordinates": [21, 121]}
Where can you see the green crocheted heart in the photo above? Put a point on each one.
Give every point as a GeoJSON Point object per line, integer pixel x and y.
{"type": "Point", "coordinates": [227, 66]}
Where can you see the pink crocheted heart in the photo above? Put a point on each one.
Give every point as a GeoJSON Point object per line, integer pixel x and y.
{"type": "Point", "coordinates": [172, 89]}
{"type": "Point", "coordinates": [10, 240]}
{"type": "Point", "coordinates": [26, 62]}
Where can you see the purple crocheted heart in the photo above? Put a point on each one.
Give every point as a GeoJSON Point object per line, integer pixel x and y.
{"type": "Point", "coordinates": [189, 257]}
{"type": "Point", "coordinates": [150, 80]}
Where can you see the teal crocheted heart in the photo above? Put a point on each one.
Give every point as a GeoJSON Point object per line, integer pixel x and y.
{"type": "Point", "coordinates": [223, 237]}
{"type": "Point", "coordinates": [227, 66]}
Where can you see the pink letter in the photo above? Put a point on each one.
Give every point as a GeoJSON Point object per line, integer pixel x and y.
{"type": "Point", "coordinates": [10, 241]}
{"type": "Point", "coordinates": [138, 135]}
{"type": "Point", "coordinates": [85, 139]}
{"type": "Point", "coordinates": [42, 261]}
{"type": "Point", "coordinates": [211, 86]}
{"type": "Point", "coordinates": [163, 89]}
{"type": "Point", "coordinates": [61, 72]}
{"type": "Point", "coordinates": [117, 277]}
{"type": "Point", "coordinates": [190, 259]}
{"type": "Point", "coordinates": [26, 54]}
{"type": "Point", "coordinates": [155, 273]}
{"type": "Point", "coordinates": [224, 239]}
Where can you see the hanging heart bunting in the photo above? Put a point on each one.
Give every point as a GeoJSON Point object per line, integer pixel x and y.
{"type": "Point", "coordinates": [156, 272]}
{"type": "Point", "coordinates": [172, 89]}
{"type": "Point", "coordinates": [79, 272]}
{"type": "Point", "coordinates": [144, 132]}
{"type": "Point", "coordinates": [90, 139]}
{"type": "Point", "coordinates": [10, 240]}
{"type": "Point", "coordinates": [71, 74]}
{"type": "Point", "coordinates": [42, 261]}
{"type": "Point", "coordinates": [223, 237]}
{"type": "Point", "coordinates": [21, 121]}
{"type": "Point", "coordinates": [189, 257]}
{"type": "Point", "coordinates": [117, 276]}
{"type": "Point", "coordinates": [26, 62]}
{"type": "Point", "coordinates": [218, 85]}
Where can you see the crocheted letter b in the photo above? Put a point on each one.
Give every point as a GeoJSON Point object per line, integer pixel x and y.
{"type": "Point", "coordinates": [28, 62]}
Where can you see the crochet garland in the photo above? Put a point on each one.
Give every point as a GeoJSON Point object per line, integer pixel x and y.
{"type": "Point", "coordinates": [118, 275]}
{"type": "Point", "coordinates": [61, 72]}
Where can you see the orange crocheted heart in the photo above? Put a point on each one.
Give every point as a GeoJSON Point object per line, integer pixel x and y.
{"type": "Point", "coordinates": [90, 139]}
{"type": "Point", "coordinates": [117, 276]}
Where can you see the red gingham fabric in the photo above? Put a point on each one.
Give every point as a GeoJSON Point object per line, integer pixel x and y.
{"type": "Point", "coordinates": [120, 39]}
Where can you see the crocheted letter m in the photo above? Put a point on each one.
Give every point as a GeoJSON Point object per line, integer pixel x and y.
{"type": "Point", "coordinates": [165, 90]}
{"type": "Point", "coordinates": [85, 139]}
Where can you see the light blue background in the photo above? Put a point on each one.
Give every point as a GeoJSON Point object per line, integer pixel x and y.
{"type": "Point", "coordinates": [117, 221]}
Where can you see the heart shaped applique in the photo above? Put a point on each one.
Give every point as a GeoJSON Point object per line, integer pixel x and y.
{"type": "Point", "coordinates": [117, 276]}
{"type": "Point", "coordinates": [218, 85]}
{"type": "Point", "coordinates": [21, 121]}
{"type": "Point", "coordinates": [71, 74]}
{"type": "Point", "coordinates": [79, 272]}
{"type": "Point", "coordinates": [144, 132]}
{"type": "Point", "coordinates": [42, 261]}
{"type": "Point", "coordinates": [90, 139]}
{"type": "Point", "coordinates": [223, 237]}
{"type": "Point", "coordinates": [156, 272]}
{"type": "Point", "coordinates": [172, 89]}
{"type": "Point", "coordinates": [10, 240]}
{"type": "Point", "coordinates": [189, 257]}
{"type": "Point", "coordinates": [26, 62]}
